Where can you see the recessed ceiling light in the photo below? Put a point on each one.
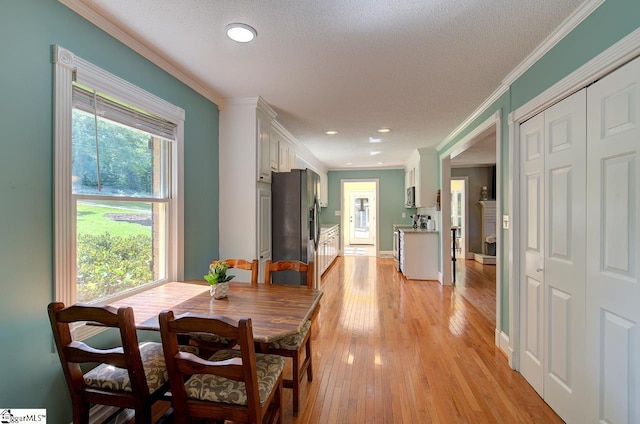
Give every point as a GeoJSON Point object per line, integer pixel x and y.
{"type": "Point", "coordinates": [242, 33]}
{"type": "Point", "coordinates": [375, 152]}
{"type": "Point", "coordinates": [380, 163]}
{"type": "Point", "coordinates": [349, 163]}
{"type": "Point", "coordinates": [375, 140]}
{"type": "Point", "coordinates": [384, 130]}
{"type": "Point", "coordinates": [331, 132]}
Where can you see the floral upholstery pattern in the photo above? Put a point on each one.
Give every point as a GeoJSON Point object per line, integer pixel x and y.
{"type": "Point", "coordinates": [113, 378]}
{"type": "Point", "coordinates": [211, 338]}
{"type": "Point", "coordinates": [214, 388]}
{"type": "Point", "coordinates": [292, 342]}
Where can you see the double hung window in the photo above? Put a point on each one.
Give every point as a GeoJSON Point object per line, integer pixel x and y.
{"type": "Point", "coordinates": [117, 185]}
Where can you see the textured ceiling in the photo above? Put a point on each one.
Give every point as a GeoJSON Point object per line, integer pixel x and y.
{"type": "Point", "coordinates": [420, 67]}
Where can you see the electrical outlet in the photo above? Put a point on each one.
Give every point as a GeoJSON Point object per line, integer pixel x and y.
{"type": "Point", "coordinates": [505, 222]}
{"type": "Point", "coordinates": [338, 213]}
{"type": "Point", "coordinates": [404, 214]}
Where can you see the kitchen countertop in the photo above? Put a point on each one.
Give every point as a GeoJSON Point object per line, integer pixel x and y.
{"type": "Point", "coordinates": [418, 230]}
{"type": "Point", "coordinates": [325, 228]}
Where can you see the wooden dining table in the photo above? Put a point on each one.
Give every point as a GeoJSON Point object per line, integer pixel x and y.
{"type": "Point", "coordinates": [275, 310]}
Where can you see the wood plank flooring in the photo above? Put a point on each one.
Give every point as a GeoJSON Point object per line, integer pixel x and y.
{"type": "Point", "coordinates": [391, 350]}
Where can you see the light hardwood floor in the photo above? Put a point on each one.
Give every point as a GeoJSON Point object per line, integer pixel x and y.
{"type": "Point", "coordinates": [391, 350]}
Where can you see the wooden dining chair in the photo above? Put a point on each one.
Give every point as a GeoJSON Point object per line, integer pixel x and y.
{"type": "Point", "coordinates": [242, 264]}
{"type": "Point", "coordinates": [130, 376]}
{"type": "Point", "coordinates": [210, 343]}
{"type": "Point", "coordinates": [293, 345]}
{"type": "Point", "coordinates": [237, 385]}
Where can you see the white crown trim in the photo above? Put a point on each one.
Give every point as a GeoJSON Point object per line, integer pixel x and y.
{"type": "Point", "coordinates": [569, 24]}
{"type": "Point", "coordinates": [615, 56]}
{"type": "Point", "coordinates": [93, 16]}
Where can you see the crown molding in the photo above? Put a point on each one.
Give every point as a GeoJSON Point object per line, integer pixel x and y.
{"type": "Point", "coordinates": [483, 107]}
{"type": "Point", "coordinates": [102, 22]}
{"type": "Point", "coordinates": [615, 56]}
{"type": "Point", "coordinates": [96, 78]}
{"type": "Point", "coordinates": [569, 24]}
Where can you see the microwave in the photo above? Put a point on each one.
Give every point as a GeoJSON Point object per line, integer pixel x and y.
{"type": "Point", "coordinates": [410, 201]}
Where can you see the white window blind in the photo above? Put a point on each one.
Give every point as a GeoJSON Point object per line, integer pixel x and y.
{"type": "Point", "coordinates": [92, 101]}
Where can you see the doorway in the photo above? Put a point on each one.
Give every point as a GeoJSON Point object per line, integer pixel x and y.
{"type": "Point", "coordinates": [476, 156]}
{"type": "Point", "coordinates": [359, 217]}
{"type": "Point", "coordinates": [459, 214]}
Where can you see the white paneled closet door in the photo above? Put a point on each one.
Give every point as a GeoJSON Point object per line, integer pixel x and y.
{"type": "Point", "coordinates": [552, 295]}
{"type": "Point", "coordinates": [532, 238]}
{"type": "Point", "coordinates": [613, 256]}
{"type": "Point", "coordinates": [564, 258]}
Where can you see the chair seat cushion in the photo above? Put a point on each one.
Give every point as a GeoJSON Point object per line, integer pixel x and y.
{"type": "Point", "coordinates": [292, 342]}
{"type": "Point", "coordinates": [214, 388]}
{"type": "Point", "coordinates": [113, 378]}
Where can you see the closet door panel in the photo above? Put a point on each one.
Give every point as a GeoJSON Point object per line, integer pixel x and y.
{"type": "Point", "coordinates": [532, 236]}
{"type": "Point", "coordinates": [613, 300]}
{"type": "Point", "coordinates": [564, 259]}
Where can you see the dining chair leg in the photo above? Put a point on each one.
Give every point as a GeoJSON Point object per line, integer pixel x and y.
{"type": "Point", "coordinates": [308, 358]}
{"type": "Point", "coordinates": [280, 402]}
{"type": "Point", "coordinates": [296, 383]}
{"type": "Point", "coordinates": [143, 415]}
{"type": "Point", "coordinates": [80, 413]}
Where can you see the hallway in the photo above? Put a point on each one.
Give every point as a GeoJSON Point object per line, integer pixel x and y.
{"type": "Point", "coordinates": [389, 350]}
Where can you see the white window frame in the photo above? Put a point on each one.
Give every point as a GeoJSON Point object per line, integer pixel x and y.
{"type": "Point", "coordinates": [67, 69]}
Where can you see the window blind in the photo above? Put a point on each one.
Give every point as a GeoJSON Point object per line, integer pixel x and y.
{"type": "Point", "coordinates": [90, 101]}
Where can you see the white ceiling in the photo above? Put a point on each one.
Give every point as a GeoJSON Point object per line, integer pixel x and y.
{"type": "Point", "coordinates": [420, 67]}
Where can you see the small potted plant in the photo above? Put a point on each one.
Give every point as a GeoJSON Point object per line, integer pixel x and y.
{"type": "Point", "coordinates": [218, 279]}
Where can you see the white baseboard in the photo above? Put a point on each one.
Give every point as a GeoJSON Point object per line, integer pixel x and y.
{"type": "Point", "coordinates": [502, 341]}
{"type": "Point", "coordinates": [385, 253]}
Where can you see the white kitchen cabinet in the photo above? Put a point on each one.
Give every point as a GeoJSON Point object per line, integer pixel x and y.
{"type": "Point", "coordinates": [285, 166]}
{"type": "Point", "coordinates": [328, 247]}
{"type": "Point", "coordinates": [245, 126]}
{"type": "Point", "coordinates": [263, 128]}
{"type": "Point", "coordinates": [421, 172]}
{"type": "Point", "coordinates": [324, 190]}
{"type": "Point", "coordinates": [427, 178]}
{"type": "Point", "coordinates": [274, 153]}
{"type": "Point", "coordinates": [264, 230]}
{"type": "Point", "coordinates": [419, 254]}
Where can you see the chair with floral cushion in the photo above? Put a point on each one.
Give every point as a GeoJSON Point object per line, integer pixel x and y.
{"type": "Point", "coordinates": [293, 345]}
{"type": "Point", "coordinates": [209, 343]}
{"type": "Point", "coordinates": [131, 376]}
{"type": "Point", "coordinates": [237, 385]}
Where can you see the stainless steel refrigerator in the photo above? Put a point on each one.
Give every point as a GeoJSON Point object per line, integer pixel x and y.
{"type": "Point", "coordinates": [295, 225]}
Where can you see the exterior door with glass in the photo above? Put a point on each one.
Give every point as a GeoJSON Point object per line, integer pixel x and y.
{"type": "Point", "coordinates": [362, 217]}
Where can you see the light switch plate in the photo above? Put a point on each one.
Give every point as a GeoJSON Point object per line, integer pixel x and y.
{"type": "Point", "coordinates": [505, 222]}
{"type": "Point", "coordinates": [338, 213]}
{"type": "Point", "coordinates": [404, 214]}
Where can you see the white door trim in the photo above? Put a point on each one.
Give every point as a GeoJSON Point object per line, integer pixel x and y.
{"type": "Point", "coordinates": [615, 56]}
{"type": "Point", "coordinates": [491, 123]}
{"type": "Point", "coordinates": [344, 231]}
{"type": "Point", "coordinates": [464, 249]}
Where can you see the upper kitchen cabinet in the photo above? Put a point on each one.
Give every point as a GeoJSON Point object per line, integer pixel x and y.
{"type": "Point", "coordinates": [421, 172]}
{"type": "Point", "coordinates": [245, 167]}
{"type": "Point", "coordinates": [281, 138]}
{"type": "Point", "coordinates": [266, 155]}
{"type": "Point", "coordinates": [324, 190]}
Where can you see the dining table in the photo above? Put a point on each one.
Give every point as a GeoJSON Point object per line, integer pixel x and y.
{"type": "Point", "coordinates": [276, 310]}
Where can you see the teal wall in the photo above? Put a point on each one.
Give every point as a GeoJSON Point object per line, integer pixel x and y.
{"type": "Point", "coordinates": [390, 202]}
{"type": "Point", "coordinates": [613, 20]}
{"type": "Point", "coordinates": [31, 374]}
